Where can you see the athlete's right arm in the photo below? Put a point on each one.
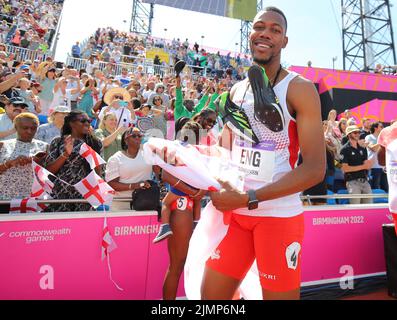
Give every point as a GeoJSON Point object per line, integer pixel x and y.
{"type": "Point", "coordinates": [303, 99]}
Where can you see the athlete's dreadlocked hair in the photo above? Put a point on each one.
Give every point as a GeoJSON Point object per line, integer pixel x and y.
{"type": "Point", "coordinates": [190, 132]}
{"type": "Point", "coordinates": [89, 139]}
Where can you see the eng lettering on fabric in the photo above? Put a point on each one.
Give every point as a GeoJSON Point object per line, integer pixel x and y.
{"type": "Point", "coordinates": [257, 162]}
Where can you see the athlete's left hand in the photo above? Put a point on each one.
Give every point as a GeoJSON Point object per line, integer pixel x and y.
{"type": "Point", "coordinates": [228, 198]}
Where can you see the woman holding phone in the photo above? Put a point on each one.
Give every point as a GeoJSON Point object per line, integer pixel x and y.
{"type": "Point", "coordinates": [116, 100]}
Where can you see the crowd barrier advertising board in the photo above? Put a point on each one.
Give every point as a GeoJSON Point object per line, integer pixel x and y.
{"type": "Point", "coordinates": [59, 256]}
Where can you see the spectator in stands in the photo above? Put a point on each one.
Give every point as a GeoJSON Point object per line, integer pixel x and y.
{"type": "Point", "coordinates": [62, 95]}
{"type": "Point", "coordinates": [127, 170]}
{"type": "Point", "coordinates": [124, 78]}
{"type": "Point", "coordinates": [87, 102]}
{"type": "Point", "coordinates": [76, 51]}
{"type": "Point", "coordinates": [366, 128]}
{"type": "Point", "coordinates": [31, 99]}
{"type": "Point", "coordinates": [47, 132]}
{"type": "Point", "coordinates": [159, 90]}
{"type": "Point", "coordinates": [348, 115]}
{"type": "Point", "coordinates": [159, 118]}
{"type": "Point", "coordinates": [342, 128]}
{"type": "Point", "coordinates": [355, 165]}
{"type": "Point", "coordinates": [379, 69]}
{"type": "Point", "coordinates": [378, 175]}
{"type": "Point", "coordinates": [109, 135]}
{"type": "Point", "coordinates": [106, 55]}
{"type": "Point", "coordinates": [91, 65]}
{"type": "Point", "coordinates": [13, 107]}
{"type": "Point", "coordinates": [149, 90]}
{"type": "Point", "coordinates": [64, 160]}
{"type": "Point", "coordinates": [48, 83]}
{"type": "Point", "coordinates": [16, 157]}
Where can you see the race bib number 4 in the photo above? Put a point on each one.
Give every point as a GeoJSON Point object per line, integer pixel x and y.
{"type": "Point", "coordinates": [256, 162]}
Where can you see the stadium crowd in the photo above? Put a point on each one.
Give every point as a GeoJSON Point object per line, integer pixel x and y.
{"type": "Point", "coordinates": [111, 47]}
{"type": "Point", "coordinates": [29, 24]}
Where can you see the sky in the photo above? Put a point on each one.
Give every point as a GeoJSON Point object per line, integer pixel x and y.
{"type": "Point", "coordinates": [314, 27]}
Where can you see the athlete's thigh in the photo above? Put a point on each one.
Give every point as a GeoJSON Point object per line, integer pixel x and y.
{"type": "Point", "coordinates": [182, 226]}
{"type": "Point", "coordinates": [278, 244]}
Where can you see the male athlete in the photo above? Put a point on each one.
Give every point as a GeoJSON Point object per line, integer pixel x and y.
{"type": "Point", "coordinates": [267, 221]}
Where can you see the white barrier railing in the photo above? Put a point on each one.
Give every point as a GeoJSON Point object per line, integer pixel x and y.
{"type": "Point", "coordinates": [22, 54]}
{"type": "Point", "coordinates": [148, 66]}
{"type": "Point", "coordinates": [124, 199]}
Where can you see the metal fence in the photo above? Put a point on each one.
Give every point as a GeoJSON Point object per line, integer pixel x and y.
{"type": "Point", "coordinates": [22, 54]}
{"type": "Point", "coordinates": [207, 199]}
{"type": "Point", "coordinates": [148, 66]}
{"type": "Point", "coordinates": [116, 68]}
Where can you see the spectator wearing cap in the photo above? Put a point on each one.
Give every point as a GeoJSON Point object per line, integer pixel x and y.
{"type": "Point", "coordinates": [13, 108]}
{"type": "Point", "coordinates": [47, 132]}
{"type": "Point", "coordinates": [16, 157]}
{"type": "Point", "coordinates": [117, 100]}
{"type": "Point", "coordinates": [159, 90]}
{"type": "Point", "coordinates": [378, 175]}
{"type": "Point", "coordinates": [355, 165]}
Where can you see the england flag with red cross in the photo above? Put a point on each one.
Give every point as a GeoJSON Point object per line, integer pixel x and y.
{"type": "Point", "coordinates": [93, 158]}
{"type": "Point", "coordinates": [42, 176]}
{"type": "Point", "coordinates": [108, 244]}
{"type": "Point", "coordinates": [27, 205]}
{"type": "Point", "coordinates": [95, 190]}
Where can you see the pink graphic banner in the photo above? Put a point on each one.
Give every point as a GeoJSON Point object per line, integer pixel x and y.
{"type": "Point", "coordinates": [329, 79]}
{"type": "Point", "coordinates": [337, 238]}
{"type": "Point", "coordinates": [376, 110]}
{"type": "Point", "coordinates": [59, 256]}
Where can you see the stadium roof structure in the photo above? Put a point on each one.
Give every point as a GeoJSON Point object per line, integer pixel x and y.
{"type": "Point", "coordinates": [237, 9]}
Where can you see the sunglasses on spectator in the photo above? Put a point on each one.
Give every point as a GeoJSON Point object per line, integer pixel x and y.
{"type": "Point", "coordinates": [135, 136]}
{"type": "Point", "coordinates": [83, 120]}
{"type": "Point", "coordinates": [118, 97]}
{"type": "Point", "coordinates": [19, 106]}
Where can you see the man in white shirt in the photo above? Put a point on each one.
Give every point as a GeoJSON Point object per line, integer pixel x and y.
{"type": "Point", "coordinates": [124, 78]}
{"type": "Point", "coordinates": [379, 177]}
{"type": "Point", "coordinates": [13, 107]}
{"type": "Point", "coordinates": [150, 89]}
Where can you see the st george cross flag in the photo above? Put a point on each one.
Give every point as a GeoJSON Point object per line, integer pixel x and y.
{"type": "Point", "coordinates": [93, 158]}
{"type": "Point", "coordinates": [27, 205]}
{"type": "Point", "coordinates": [39, 193]}
{"type": "Point", "coordinates": [108, 244]}
{"type": "Point", "coordinates": [95, 190]}
{"type": "Point", "coordinates": [42, 175]}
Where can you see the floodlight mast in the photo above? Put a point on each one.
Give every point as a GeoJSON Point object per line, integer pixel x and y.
{"type": "Point", "coordinates": [367, 33]}
{"type": "Point", "coordinates": [245, 31]}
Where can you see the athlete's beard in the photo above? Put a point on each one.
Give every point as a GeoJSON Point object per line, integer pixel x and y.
{"type": "Point", "coordinates": [263, 62]}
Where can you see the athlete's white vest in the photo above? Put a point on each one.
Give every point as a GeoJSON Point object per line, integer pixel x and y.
{"type": "Point", "coordinates": [287, 150]}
